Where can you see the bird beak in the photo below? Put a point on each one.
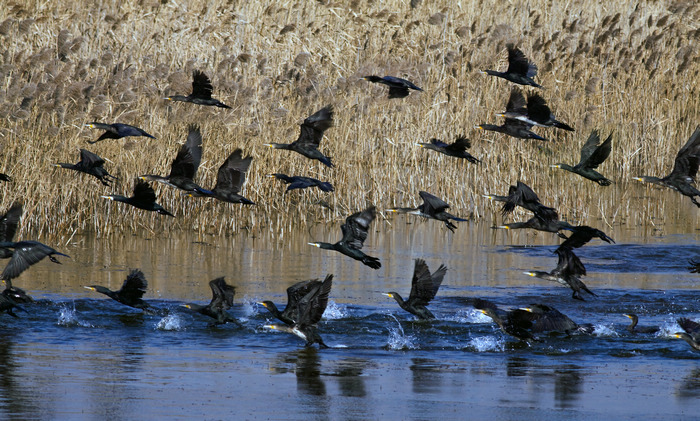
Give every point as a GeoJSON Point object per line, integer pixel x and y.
{"type": "Point", "coordinates": [505, 227]}
{"type": "Point", "coordinates": [142, 178]}
{"type": "Point", "coordinates": [638, 178]}
{"type": "Point", "coordinates": [500, 114]}
{"type": "Point", "coordinates": [90, 125]}
{"type": "Point", "coordinates": [389, 210]}
{"type": "Point", "coordinates": [90, 288]}
{"type": "Point", "coordinates": [270, 175]}
{"type": "Point", "coordinates": [481, 311]}
{"type": "Point", "coordinates": [529, 273]}
{"type": "Point", "coordinates": [676, 335]}
{"type": "Point", "coordinates": [529, 310]}
{"type": "Point", "coordinates": [488, 196]}
{"type": "Point", "coordinates": [388, 295]}
{"type": "Point", "coordinates": [627, 315]}
{"type": "Point", "coordinates": [314, 244]}
{"type": "Point", "coordinates": [479, 127]}
{"type": "Point", "coordinates": [268, 145]}
{"type": "Point", "coordinates": [420, 145]}
{"type": "Point", "coordinates": [106, 197]}
{"type": "Point", "coordinates": [273, 327]}
{"type": "Point", "coordinates": [185, 305]}
{"type": "Point", "coordinates": [555, 166]}
{"type": "Point", "coordinates": [263, 304]}
{"type": "Point", "coordinates": [167, 98]}
{"type": "Point", "coordinates": [55, 165]}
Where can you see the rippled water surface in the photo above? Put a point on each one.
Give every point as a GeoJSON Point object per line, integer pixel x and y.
{"type": "Point", "coordinates": [73, 354]}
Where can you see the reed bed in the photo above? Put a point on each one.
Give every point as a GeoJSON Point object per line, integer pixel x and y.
{"type": "Point", "coordinates": [625, 67]}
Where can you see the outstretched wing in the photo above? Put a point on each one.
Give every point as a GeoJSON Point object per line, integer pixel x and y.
{"type": "Point", "coordinates": [434, 202]}
{"type": "Point", "coordinates": [89, 159]}
{"type": "Point", "coordinates": [189, 156]}
{"type": "Point", "coordinates": [356, 226]}
{"type": "Point", "coordinates": [134, 286]}
{"type": "Point", "coordinates": [688, 158]}
{"type": "Point", "coordinates": [201, 85]}
{"type": "Point", "coordinates": [313, 127]}
{"type": "Point", "coordinates": [424, 286]}
{"type": "Point", "coordinates": [26, 254]}
{"type": "Point", "coordinates": [518, 63]}
{"type": "Point", "coordinates": [312, 306]}
{"type": "Point", "coordinates": [593, 155]}
{"type": "Point", "coordinates": [222, 293]}
{"type": "Point", "coordinates": [231, 175]}
{"type": "Point", "coordinates": [9, 222]}
{"type": "Point", "coordinates": [143, 192]}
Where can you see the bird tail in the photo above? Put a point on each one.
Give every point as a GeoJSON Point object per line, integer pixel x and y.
{"type": "Point", "coordinates": [372, 262]}
{"type": "Point", "coordinates": [326, 161]}
{"type": "Point", "coordinates": [564, 126]}
{"type": "Point", "coordinates": [326, 186]}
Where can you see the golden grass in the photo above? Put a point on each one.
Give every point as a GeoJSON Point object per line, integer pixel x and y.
{"type": "Point", "coordinates": [608, 66]}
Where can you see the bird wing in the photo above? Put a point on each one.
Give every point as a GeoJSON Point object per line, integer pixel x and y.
{"type": "Point", "coordinates": [518, 195]}
{"type": "Point", "coordinates": [143, 192]}
{"type": "Point", "coordinates": [433, 202]}
{"type": "Point", "coordinates": [688, 158]}
{"type": "Point", "coordinates": [438, 143]}
{"type": "Point", "coordinates": [313, 127]}
{"type": "Point", "coordinates": [89, 159]}
{"type": "Point", "coordinates": [537, 109]}
{"type": "Point", "coordinates": [201, 85]}
{"type": "Point", "coordinates": [592, 154]}
{"type": "Point", "coordinates": [516, 102]}
{"type": "Point", "coordinates": [134, 286]}
{"type": "Point", "coordinates": [312, 306]}
{"type": "Point", "coordinates": [691, 328]}
{"type": "Point", "coordinates": [518, 63]}
{"type": "Point", "coordinates": [569, 264]}
{"type": "Point", "coordinates": [222, 293]}
{"type": "Point", "coordinates": [299, 290]}
{"type": "Point", "coordinates": [231, 175]}
{"type": "Point", "coordinates": [460, 145]}
{"type": "Point", "coordinates": [356, 226]}
{"type": "Point", "coordinates": [9, 222]}
{"type": "Point", "coordinates": [424, 286]}
{"type": "Point", "coordinates": [26, 254]}
{"type": "Point", "coordinates": [397, 82]}
{"type": "Point", "coordinates": [189, 156]}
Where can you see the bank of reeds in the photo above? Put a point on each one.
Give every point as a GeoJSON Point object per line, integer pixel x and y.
{"type": "Point", "coordinates": [625, 67]}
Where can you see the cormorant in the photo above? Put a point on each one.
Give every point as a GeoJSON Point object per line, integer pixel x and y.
{"type": "Point", "coordinates": [691, 334]}
{"type": "Point", "coordinates": [685, 168]}
{"type": "Point", "coordinates": [201, 92]}
{"type": "Point", "coordinates": [354, 235]}
{"type": "Point", "coordinates": [694, 266]}
{"type": "Point", "coordinates": [513, 127]}
{"type": "Point", "coordinates": [398, 88]}
{"type": "Point", "coordinates": [537, 113]}
{"type": "Point", "coordinates": [432, 208]}
{"type": "Point", "coordinates": [91, 164]}
{"type": "Point", "coordinates": [144, 198]}
{"type": "Point", "coordinates": [184, 168]}
{"type": "Point", "coordinates": [548, 319]}
{"type": "Point", "coordinates": [592, 155]}
{"type": "Point", "coordinates": [8, 227]}
{"type": "Point", "coordinates": [510, 325]}
{"type": "Point", "coordinates": [301, 182]}
{"type": "Point", "coordinates": [567, 272]}
{"type": "Point", "coordinates": [130, 293]}
{"type": "Point", "coordinates": [230, 179]}
{"type": "Point", "coordinates": [522, 195]}
{"type": "Point", "coordinates": [311, 308]}
{"type": "Point", "coordinates": [116, 131]}
{"type": "Point", "coordinates": [312, 130]}
{"type": "Point", "coordinates": [295, 294]}
{"type": "Point", "coordinates": [25, 253]}
{"type": "Point", "coordinates": [222, 300]}
{"type": "Point", "coordinates": [633, 328]}
{"type": "Point", "coordinates": [5, 177]}
{"type": "Point", "coordinates": [10, 298]}
{"type": "Point", "coordinates": [424, 286]}
{"type": "Point", "coordinates": [458, 149]}
{"type": "Point", "coordinates": [520, 69]}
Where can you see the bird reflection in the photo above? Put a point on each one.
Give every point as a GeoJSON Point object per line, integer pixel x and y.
{"type": "Point", "coordinates": [568, 381]}
{"type": "Point", "coordinates": [427, 375]}
{"type": "Point", "coordinates": [350, 379]}
{"type": "Point", "coordinates": [689, 388]}
{"type": "Point", "coordinates": [517, 367]}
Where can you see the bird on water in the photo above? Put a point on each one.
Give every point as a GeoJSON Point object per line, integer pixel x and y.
{"type": "Point", "coordinates": [691, 332]}
{"type": "Point", "coordinates": [295, 294]}
{"type": "Point", "coordinates": [143, 198]}
{"type": "Point", "coordinates": [633, 328]}
{"type": "Point", "coordinates": [116, 131]}
{"type": "Point", "coordinates": [90, 163]}
{"type": "Point", "coordinates": [592, 155]}
{"type": "Point", "coordinates": [309, 139]}
{"type": "Point", "coordinates": [424, 287]}
{"type": "Point", "coordinates": [222, 300]}
{"type": "Point", "coordinates": [398, 87]}
{"type": "Point", "coordinates": [432, 208]}
{"type": "Point", "coordinates": [201, 92]}
{"type": "Point", "coordinates": [131, 292]}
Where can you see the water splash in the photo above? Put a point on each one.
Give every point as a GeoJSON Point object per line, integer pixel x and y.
{"type": "Point", "coordinates": [250, 308]}
{"type": "Point", "coordinates": [606, 331]}
{"type": "Point", "coordinates": [486, 344]}
{"type": "Point", "coordinates": [398, 340]}
{"type": "Point", "coordinates": [170, 322]}
{"type": "Point", "coordinates": [67, 316]}
{"type": "Point", "coordinates": [335, 311]}
{"type": "Point", "coordinates": [468, 315]}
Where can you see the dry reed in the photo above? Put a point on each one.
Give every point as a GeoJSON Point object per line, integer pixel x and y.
{"type": "Point", "coordinates": [618, 67]}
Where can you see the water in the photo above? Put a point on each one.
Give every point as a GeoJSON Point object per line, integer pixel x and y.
{"type": "Point", "coordinates": [75, 354]}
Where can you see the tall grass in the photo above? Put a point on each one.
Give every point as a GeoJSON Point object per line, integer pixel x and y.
{"type": "Point", "coordinates": [621, 67]}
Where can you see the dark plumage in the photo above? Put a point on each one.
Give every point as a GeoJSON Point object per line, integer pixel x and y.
{"type": "Point", "coordinates": [424, 287]}
{"type": "Point", "coordinates": [633, 328]}
{"type": "Point", "coordinates": [522, 195]}
{"type": "Point", "coordinates": [312, 130]}
{"type": "Point", "coordinates": [10, 298]}
{"type": "Point", "coordinates": [511, 126]}
{"type": "Point", "coordinates": [230, 179]}
{"type": "Point", "coordinates": [537, 113]}
{"type": "Point", "coordinates": [310, 311]}
{"type": "Point", "coordinates": [691, 334]}
{"type": "Point", "coordinates": [144, 198]}
{"type": "Point", "coordinates": [568, 270]}
{"type": "Point", "coordinates": [506, 321]}
{"type": "Point", "coordinates": [539, 224]}
{"type": "Point", "coordinates": [8, 227]}
{"type": "Point", "coordinates": [520, 70]}
{"type": "Point", "coordinates": [5, 177]}
{"type": "Point", "coordinates": [300, 182]}
{"type": "Point", "coordinates": [354, 235]}
{"type": "Point", "coordinates": [694, 266]}
{"type": "Point", "coordinates": [184, 167]}
{"type": "Point", "coordinates": [458, 149]}
{"type": "Point", "coordinates": [222, 300]}
{"type": "Point", "coordinates": [130, 293]}
{"type": "Point", "coordinates": [544, 318]}
{"type": "Point", "coordinates": [116, 131]}
{"type": "Point", "coordinates": [398, 88]}
{"type": "Point", "coordinates": [685, 168]}
{"type": "Point", "coordinates": [592, 155]}
{"type": "Point", "coordinates": [295, 293]}
{"type": "Point", "coordinates": [201, 92]}
{"type": "Point", "coordinates": [91, 164]}
{"type": "Point", "coordinates": [24, 254]}
{"type": "Point", "coordinates": [432, 208]}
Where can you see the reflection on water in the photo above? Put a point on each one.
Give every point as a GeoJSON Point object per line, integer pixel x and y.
{"type": "Point", "coordinates": [119, 363]}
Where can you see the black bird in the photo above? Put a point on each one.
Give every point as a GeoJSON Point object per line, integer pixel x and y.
{"type": "Point", "coordinates": [230, 179]}
{"type": "Point", "coordinates": [592, 155]}
{"type": "Point", "coordinates": [222, 300]}
{"type": "Point", "coordinates": [130, 293]}
{"type": "Point", "coordinates": [310, 308]}
{"type": "Point", "coordinates": [520, 70]}
{"type": "Point", "coordinates": [522, 195]}
{"type": "Point", "coordinates": [506, 321]}
{"type": "Point", "coordinates": [25, 253]}
{"type": "Point", "coordinates": [398, 88]}
{"type": "Point", "coordinates": [144, 198]}
{"type": "Point", "coordinates": [568, 270]}
{"type": "Point", "coordinates": [184, 168]}
{"type": "Point", "coordinates": [90, 163]}
{"type": "Point", "coordinates": [201, 92]}
{"type": "Point", "coordinates": [548, 319]}
{"type": "Point", "coordinates": [539, 224]}
{"type": "Point", "coordinates": [312, 130]}
{"type": "Point", "coordinates": [295, 294]}
{"type": "Point", "coordinates": [691, 334]}
{"type": "Point", "coordinates": [633, 328]}
{"type": "Point", "coordinates": [685, 168]}
{"type": "Point", "coordinates": [694, 266]}
{"type": "Point", "coordinates": [582, 234]}
{"type": "Point", "coordinates": [10, 298]}
{"type": "Point", "coordinates": [432, 208]}
{"type": "Point", "coordinates": [537, 114]}
{"type": "Point", "coordinates": [8, 227]}
{"type": "Point", "coordinates": [354, 235]}
{"type": "Point", "coordinates": [301, 182]}
{"type": "Point", "coordinates": [511, 126]}
{"type": "Point", "coordinates": [458, 149]}
{"type": "Point", "coordinates": [424, 287]}
{"type": "Point", "coordinates": [116, 131]}
{"type": "Point", "coordinates": [5, 177]}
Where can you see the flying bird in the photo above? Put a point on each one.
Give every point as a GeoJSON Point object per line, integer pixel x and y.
{"type": "Point", "coordinates": [201, 92]}
{"type": "Point", "coordinates": [301, 182]}
{"type": "Point", "coordinates": [116, 131]}
{"type": "Point", "coordinates": [398, 88]}
{"type": "Point", "coordinates": [520, 69]}
{"type": "Point", "coordinates": [222, 300]}
{"type": "Point", "coordinates": [91, 164]}
{"type": "Point", "coordinates": [143, 198]}
{"type": "Point", "coordinates": [432, 208]}
{"type": "Point", "coordinates": [312, 130]}
{"type": "Point", "coordinates": [25, 254]}
{"type": "Point", "coordinates": [511, 126]}
{"type": "Point", "coordinates": [295, 293]}
{"type": "Point", "coordinates": [424, 287]}
{"type": "Point", "coordinates": [230, 179]}
{"type": "Point", "coordinates": [457, 149]}
{"type": "Point", "coordinates": [131, 292]}
{"type": "Point", "coordinates": [592, 155]}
